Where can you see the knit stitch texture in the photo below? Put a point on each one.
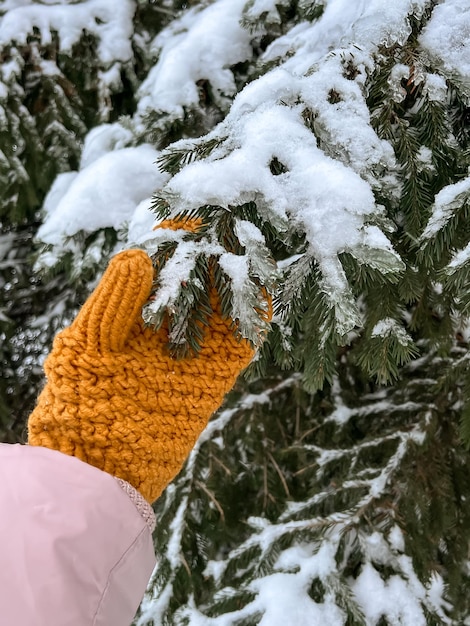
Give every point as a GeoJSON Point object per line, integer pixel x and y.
{"type": "Point", "coordinates": [116, 399]}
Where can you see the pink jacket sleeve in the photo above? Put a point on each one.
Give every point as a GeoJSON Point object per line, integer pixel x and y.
{"type": "Point", "coordinates": [75, 548]}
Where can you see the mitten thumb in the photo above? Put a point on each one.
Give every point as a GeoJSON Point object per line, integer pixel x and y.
{"type": "Point", "coordinates": [108, 315]}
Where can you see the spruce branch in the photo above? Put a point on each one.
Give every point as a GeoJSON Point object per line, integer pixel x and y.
{"type": "Point", "coordinates": [387, 348]}
{"type": "Point", "coordinates": [180, 154]}
{"type": "Point", "coordinates": [225, 253]}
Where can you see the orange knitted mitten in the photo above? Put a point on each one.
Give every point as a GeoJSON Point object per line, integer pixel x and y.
{"type": "Point", "coordinates": [116, 399]}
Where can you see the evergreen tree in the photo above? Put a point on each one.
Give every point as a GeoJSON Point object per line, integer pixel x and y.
{"type": "Point", "coordinates": [324, 148]}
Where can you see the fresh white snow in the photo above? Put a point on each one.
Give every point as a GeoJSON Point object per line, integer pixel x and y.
{"type": "Point", "coordinates": [202, 45]}
{"type": "Point", "coordinates": [446, 201]}
{"type": "Point", "coordinates": [110, 21]}
{"type": "Point", "coordinates": [106, 192]}
{"type": "Point", "coordinates": [447, 36]}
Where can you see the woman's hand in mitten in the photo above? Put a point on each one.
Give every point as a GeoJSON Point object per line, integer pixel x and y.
{"type": "Point", "coordinates": [116, 398]}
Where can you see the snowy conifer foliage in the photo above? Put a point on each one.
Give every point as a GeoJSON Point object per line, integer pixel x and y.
{"type": "Point", "coordinates": [324, 148]}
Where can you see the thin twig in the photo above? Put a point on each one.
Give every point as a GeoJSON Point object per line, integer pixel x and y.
{"type": "Point", "coordinates": [165, 11]}
{"type": "Point", "coordinates": [281, 475]}
{"type": "Point", "coordinates": [212, 498]}
{"type": "Point", "coordinates": [265, 485]}
{"type": "Point", "coordinates": [224, 467]}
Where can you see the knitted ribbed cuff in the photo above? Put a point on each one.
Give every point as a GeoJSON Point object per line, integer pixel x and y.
{"type": "Point", "coordinates": [140, 503]}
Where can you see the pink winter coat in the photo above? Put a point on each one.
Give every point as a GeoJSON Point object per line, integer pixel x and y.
{"type": "Point", "coordinates": [75, 543]}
